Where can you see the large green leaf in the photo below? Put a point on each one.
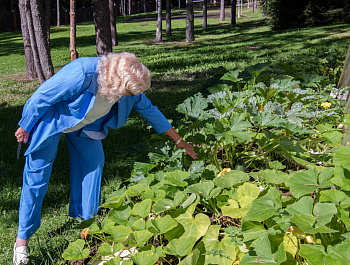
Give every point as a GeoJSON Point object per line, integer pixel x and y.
{"type": "Point", "coordinates": [311, 80]}
{"type": "Point", "coordinates": [114, 261]}
{"type": "Point", "coordinates": [139, 225]}
{"type": "Point", "coordinates": [314, 254]}
{"type": "Point", "coordinates": [333, 138]}
{"type": "Point", "coordinates": [324, 212]}
{"type": "Point", "coordinates": [138, 238]}
{"type": "Point", "coordinates": [336, 196]}
{"type": "Point", "coordinates": [191, 259]}
{"type": "Point", "coordinates": [291, 146]}
{"type": "Point", "coordinates": [341, 177]}
{"type": "Point", "coordinates": [113, 202]}
{"type": "Point", "coordinates": [321, 212]}
{"type": "Point", "coordinates": [231, 178]}
{"type": "Point", "coordinates": [307, 224]}
{"type": "Point", "coordinates": [303, 206]}
{"type": "Point", "coordinates": [223, 252]}
{"type": "Point", "coordinates": [106, 249]}
{"type": "Point", "coordinates": [76, 250]}
{"type": "Point", "coordinates": [252, 230]}
{"type": "Point", "coordinates": [246, 193]}
{"type": "Point", "coordinates": [232, 210]}
{"type": "Point", "coordinates": [177, 178]}
{"type": "Point", "coordinates": [120, 215]}
{"type": "Point", "coordinates": [344, 248]}
{"type": "Point", "coordinates": [211, 237]}
{"type": "Point", "coordinates": [181, 247]}
{"type": "Point", "coordinates": [176, 232]}
{"type": "Point", "coordinates": [145, 258]}
{"type": "Point", "coordinates": [136, 190]}
{"type": "Point", "coordinates": [191, 199]}
{"type": "Point", "coordinates": [118, 233]}
{"type": "Point", "coordinates": [341, 157]}
{"type": "Point", "coordinates": [260, 252]}
{"type": "Point", "coordinates": [161, 225]}
{"type": "Point", "coordinates": [232, 76]}
{"type": "Point", "coordinates": [194, 107]}
{"type": "Point", "coordinates": [267, 119]}
{"type": "Point", "coordinates": [204, 187]}
{"type": "Point", "coordinates": [265, 207]}
{"type": "Point", "coordinates": [303, 182]}
{"type": "Point", "coordinates": [140, 169]}
{"type": "Point", "coordinates": [196, 169]}
{"type": "Point", "coordinates": [239, 122]}
{"type": "Point", "coordinates": [194, 226]}
{"type": "Point", "coordinates": [258, 68]}
{"type": "Point", "coordinates": [142, 209]}
{"type": "Point", "coordinates": [273, 176]}
{"type": "Point", "coordinates": [163, 205]}
{"type": "Point", "coordinates": [336, 257]}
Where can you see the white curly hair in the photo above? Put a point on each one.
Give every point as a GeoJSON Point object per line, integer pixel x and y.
{"type": "Point", "coordinates": [121, 73]}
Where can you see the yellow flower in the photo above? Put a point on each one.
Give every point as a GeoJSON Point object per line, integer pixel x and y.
{"type": "Point", "coordinates": [326, 105]}
{"type": "Point", "coordinates": [309, 240]}
{"type": "Point", "coordinates": [224, 171]}
{"type": "Point", "coordinates": [84, 233]}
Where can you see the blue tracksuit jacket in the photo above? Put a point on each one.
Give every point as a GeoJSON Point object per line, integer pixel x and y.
{"type": "Point", "coordinates": [61, 102]}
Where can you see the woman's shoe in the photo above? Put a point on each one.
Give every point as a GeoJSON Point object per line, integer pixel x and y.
{"type": "Point", "coordinates": [20, 255]}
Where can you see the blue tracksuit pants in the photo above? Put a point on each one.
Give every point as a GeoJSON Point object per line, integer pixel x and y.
{"type": "Point", "coordinates": [86, 163]}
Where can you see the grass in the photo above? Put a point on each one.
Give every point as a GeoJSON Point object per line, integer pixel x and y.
{"type": "Point", "coordinates": [178, 69]}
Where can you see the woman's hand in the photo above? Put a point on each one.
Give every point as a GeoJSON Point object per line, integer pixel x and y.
{"type": "Point", "coordinates": [22, 135]}
{"type": "Point", "coordinates": [188, 148]}
{"type": "Point", "coordinates": [180, 143]}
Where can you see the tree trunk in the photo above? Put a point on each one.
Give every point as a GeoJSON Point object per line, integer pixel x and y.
{"type": "Point", "coordinates": [73, 32]}
{"type": "Point", "coordinates": [233, 12]}
{"type": "Point", "coordinates": [129, 7]}
{"type": "Point", "coordinates": [112, 22]}
{"type": "Point", "coordinates": [46, 22]}
{"type": "Point", "coordinates": [33, 43]}
{"type": "Point", "coordinates": [159, 22]}
{"type": "Point", "coordinates": [102, 27]}
{"type": "Point", "coordinates": [345, 75]}
{"type": "Point", "coordinates": [39, 39]}
{"type": "Point", "coordinates": [144, 2]}
{"type": "Point", "coordinates": [222, 10]}
{"type": "Point", "coordinates": [58, 14]}
{"type": "Point", "coordinates": [344, 81]}
{"type": "Point", "coordinates": [205, 14]}
{"type": "Point", "coordinates": [189, 21]}
{"type": "Point", "coordinates": [28, 54]}
{"type": "Point", "coordinates": [168, 17]}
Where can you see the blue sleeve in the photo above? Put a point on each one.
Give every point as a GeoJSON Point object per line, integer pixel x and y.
{"type": "Point", "coordinates": [151, 114]}
{"type": "Point", "coordinates": [65, 84]}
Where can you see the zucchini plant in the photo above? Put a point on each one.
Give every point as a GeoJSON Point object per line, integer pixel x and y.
{"type": "Point", "coordinates": [270, 186]}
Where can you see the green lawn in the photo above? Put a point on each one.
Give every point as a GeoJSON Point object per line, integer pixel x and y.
{"type": "Point", "coordinates": [178, 70]}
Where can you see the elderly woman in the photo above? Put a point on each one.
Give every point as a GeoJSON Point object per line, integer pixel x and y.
{"type": "Point", "coordinates": [82, 101]}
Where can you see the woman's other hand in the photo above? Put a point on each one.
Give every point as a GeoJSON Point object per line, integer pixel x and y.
{"type": "Point", "coordinates": [22, 135]}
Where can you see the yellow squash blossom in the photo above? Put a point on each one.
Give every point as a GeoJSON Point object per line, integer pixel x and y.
{"type": "Point", "coordinates": [84, 233]}
{"type": "Point", "coordinates": [224, 171]}
{"type": "Point", "coordinates": [309, 240]}
{"type": "Point", "coordinates": [326, 105]}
